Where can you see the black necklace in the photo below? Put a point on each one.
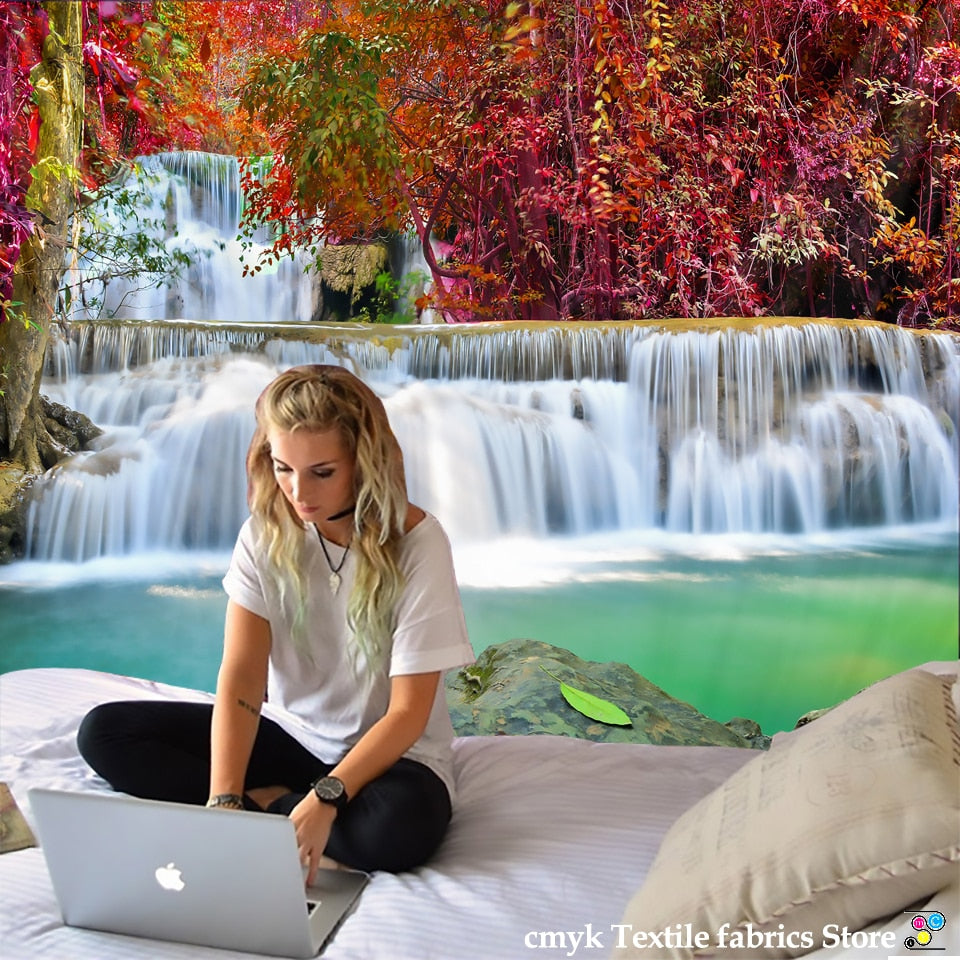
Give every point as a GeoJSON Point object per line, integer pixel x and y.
{"type": "Point", "coordinates": [334, 570]}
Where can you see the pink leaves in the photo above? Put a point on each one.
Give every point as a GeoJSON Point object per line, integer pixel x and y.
{"type": "Point", "coordinates": [108, 64]}
{"type": "Point", "coordinates": [736, 173]}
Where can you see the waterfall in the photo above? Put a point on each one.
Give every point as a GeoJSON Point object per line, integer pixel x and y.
{"type": "Point", "coordinates": [190, 203]}
{"type": "Point", "coordinates": [787, 429]}
{"type": "Point", "coordinates": [532, 433]}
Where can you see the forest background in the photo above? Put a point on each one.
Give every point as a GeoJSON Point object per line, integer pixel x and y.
{"type": "Point", "coordinates": [592, 160]}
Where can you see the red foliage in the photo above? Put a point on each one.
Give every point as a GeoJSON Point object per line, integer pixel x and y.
{"type": "Point", "coordinates": [124, 104]}
{"type": "Point", "coordinates": [200, 51]}
{"type": "Point", "coordinates": [111, 30]}
{"type": "Point", "coordinates": [631, 158]}
{"type": "Point", "coordinates": [604, 159]}
{"type": "Point", "coordinates": [22, 27]}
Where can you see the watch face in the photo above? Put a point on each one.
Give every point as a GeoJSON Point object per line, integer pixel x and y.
{"type": "Point", "coordinates": [329, 788]}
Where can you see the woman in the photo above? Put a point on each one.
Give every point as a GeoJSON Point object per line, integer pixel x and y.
{"type": "Point", "coordinates": [344, 608]}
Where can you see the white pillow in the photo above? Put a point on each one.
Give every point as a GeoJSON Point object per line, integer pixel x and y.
{"type": "Point", "coordinates": [852, 818]}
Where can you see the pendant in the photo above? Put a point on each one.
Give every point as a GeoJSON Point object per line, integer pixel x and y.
{"type": "Point", "coordinates": [334, 582]}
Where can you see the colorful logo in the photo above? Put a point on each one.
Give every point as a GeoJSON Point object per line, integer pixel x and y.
{"type": "Point", "coordinates": [925, 924]}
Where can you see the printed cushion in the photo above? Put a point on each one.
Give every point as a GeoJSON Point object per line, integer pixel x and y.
{"type": "Point", "coordinates": [851, 818]}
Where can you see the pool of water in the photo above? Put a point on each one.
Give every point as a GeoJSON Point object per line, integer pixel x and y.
{"type": "Point", "coordinates": [763, 635]}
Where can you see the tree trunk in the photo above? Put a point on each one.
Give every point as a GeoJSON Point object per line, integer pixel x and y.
{"type": "Point", "coordinates": [537, 274]}
{"type": "Point", "coordinates": [58, 85]}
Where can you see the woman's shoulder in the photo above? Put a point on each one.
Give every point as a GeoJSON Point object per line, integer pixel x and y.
{"type": "Point", "coordinates": [421, 525]}
{"type": "Point", "coordinates": [423, 534]}
{"type": "Point", "coordinates": [426, 565]}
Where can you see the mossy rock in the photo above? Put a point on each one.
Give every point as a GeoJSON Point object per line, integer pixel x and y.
{"type": "Point", "coordinates": [350, 268]}
{"type": "Point", "coordinates": [507, 692]}
{"type": "Point", "coordinates": [14, 483]}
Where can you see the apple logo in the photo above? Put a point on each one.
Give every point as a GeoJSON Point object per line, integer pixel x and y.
{"type": "Point", "coordinates": [169, 878]}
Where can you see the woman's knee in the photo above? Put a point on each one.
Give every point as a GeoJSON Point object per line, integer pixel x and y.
{"type": "Point", "coordinates": [101, 728]}
{"type": "Point", "coordinates": [150, 748]}
{"type": "Point", "coordinates": [398, 823]}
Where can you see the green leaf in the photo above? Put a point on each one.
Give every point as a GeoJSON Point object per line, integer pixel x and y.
{"type": "Point", "coordinates": [596, 708]}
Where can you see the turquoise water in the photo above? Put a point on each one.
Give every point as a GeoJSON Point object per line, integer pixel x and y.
{"type": "Point", "coordinates": [767, 637]}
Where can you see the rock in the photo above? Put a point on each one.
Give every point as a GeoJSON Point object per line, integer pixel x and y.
{"type": "Point", "coordinates": [350, 268]}
{"type": "Point", "coordinates": [14, 483]}
{"type": "Point", "coordinates": [68, 432]}
{"type": "Point", "coordinates": [72, 430]}
{"type": "Point", "coordinates": [810, 716]}
{"type": "Point", "coordinates": [750, 731]}
{"type": "Point", "coordinates": [576, 405]}
{"type": "Point", "coordinates": [506, 692]}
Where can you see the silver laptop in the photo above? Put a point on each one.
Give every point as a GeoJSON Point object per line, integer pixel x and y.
{"type": "Point", "coordinates": [169, 871]}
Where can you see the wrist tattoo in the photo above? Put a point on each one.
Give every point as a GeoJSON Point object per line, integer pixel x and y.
{"type": "Point", "coordinates": [249, 706]}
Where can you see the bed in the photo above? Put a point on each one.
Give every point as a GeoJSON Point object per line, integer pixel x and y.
{"type": "Point", "coordinates": [551, 837]}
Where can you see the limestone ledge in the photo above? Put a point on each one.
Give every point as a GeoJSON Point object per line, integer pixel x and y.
{"type": "Point", "coordinates": [507, 693]}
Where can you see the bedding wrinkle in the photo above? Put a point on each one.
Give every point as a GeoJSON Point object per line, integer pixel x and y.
{"type": "Point", "coordinates": [520, 855]}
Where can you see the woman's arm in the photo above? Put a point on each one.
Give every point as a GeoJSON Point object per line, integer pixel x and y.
{"type": "Point", "coordinates": [411, 700]}
{"type": "Point", "coordinates": [240, 688]}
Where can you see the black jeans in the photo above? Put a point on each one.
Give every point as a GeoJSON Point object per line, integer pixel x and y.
{"type": "Point", "coordinates": [161, 750]}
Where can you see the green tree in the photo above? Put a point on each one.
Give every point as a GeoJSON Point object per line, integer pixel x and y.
{"type": "Point", "coordinates": [58, 84]}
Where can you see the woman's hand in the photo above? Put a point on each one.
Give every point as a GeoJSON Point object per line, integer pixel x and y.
{"type": "Point", "coordinates": [312, 820]}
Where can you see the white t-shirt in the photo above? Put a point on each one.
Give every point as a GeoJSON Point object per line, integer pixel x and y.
{"type": "Point", "coordinates": [327, 694]}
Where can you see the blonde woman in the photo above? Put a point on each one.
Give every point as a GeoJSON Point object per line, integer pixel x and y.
{"type": "Point", "coordinates": [343, 613]}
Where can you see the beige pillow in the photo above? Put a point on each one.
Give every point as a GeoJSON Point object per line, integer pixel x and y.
{"type": "Point", "coordinates": [854, 817]}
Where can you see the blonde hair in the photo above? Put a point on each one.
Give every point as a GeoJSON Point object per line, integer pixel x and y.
{"type": "Point", "coordinates": [318, 398]}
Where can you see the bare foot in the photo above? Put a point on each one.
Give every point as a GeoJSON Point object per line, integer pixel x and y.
{"type": "Point", "coordinates": [264, 796]}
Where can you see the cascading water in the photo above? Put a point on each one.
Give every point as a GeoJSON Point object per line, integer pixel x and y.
{"type": "Point", "coordinates": [192, 204]}
{"type": "Point", "coordinates": [782, 429]}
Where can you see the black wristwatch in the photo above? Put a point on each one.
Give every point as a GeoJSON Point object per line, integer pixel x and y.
{"type": "Point", "coordinates": [331, 790]}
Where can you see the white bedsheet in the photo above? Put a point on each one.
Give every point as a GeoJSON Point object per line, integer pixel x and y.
{"type": "Point", "coordinates": [549, 834]}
